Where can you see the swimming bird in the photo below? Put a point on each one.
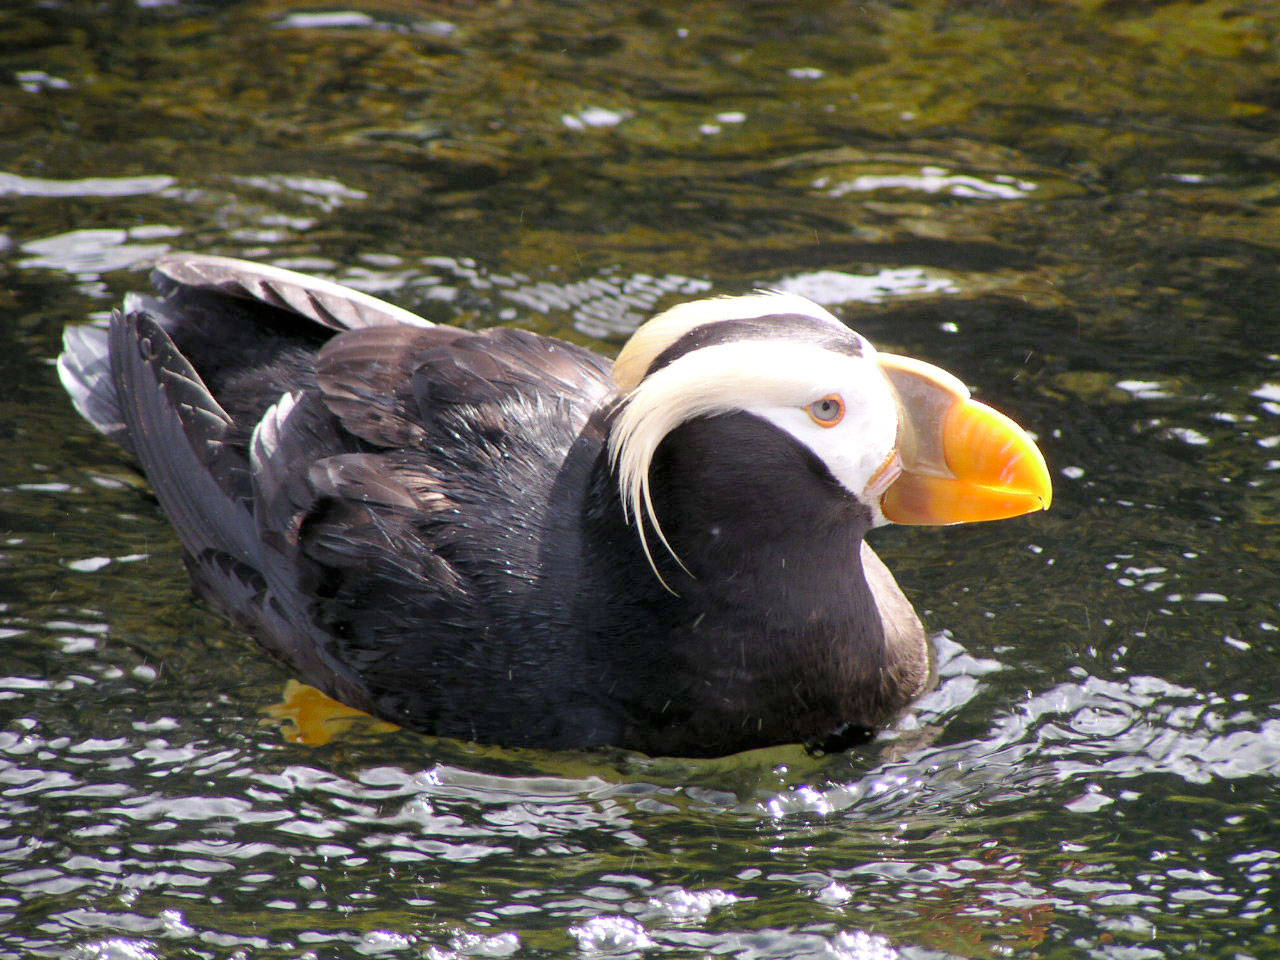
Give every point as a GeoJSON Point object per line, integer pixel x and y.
{"type": "Point", "coordinates": [499, 536]}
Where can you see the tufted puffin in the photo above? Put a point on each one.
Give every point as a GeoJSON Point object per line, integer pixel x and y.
{"type": "Point", "coordinates": [499, 536]}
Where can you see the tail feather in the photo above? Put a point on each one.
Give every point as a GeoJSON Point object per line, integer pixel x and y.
{"type": "Point", "coordinates": [211, 387]}
{"type": "Point", "coordinates": [177, 429]}
{"type": "Point", "coordinates": [84, 367]}
{"type": "Point", "coordinates": [185, 442]}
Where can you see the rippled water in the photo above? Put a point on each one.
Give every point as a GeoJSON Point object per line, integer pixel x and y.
{"type": "Point", "coordinates": [1072, 205]}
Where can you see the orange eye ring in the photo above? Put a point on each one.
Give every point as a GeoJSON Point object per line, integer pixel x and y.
{"type": "Point", "coordinates": [828, 411]}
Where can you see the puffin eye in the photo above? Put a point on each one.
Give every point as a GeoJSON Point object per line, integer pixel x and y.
{"type": "Point", "coordinates": [828, 411]}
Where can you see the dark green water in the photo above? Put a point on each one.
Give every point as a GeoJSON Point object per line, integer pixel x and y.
{"type": "Point", "coordinates": [1075, 206]}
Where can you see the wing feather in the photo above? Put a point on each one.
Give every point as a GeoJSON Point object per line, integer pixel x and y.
{"type": "Point", "coordinates": [330, 304]}
{"type": "Point", "coordinates": [368, 494]}
{"type": "Point", "coordinates": [390, 386]}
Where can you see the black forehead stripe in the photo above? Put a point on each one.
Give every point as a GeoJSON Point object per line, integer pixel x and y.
{"type": "Point", "coordinates": [792, 327]}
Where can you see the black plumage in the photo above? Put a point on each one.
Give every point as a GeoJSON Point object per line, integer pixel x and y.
{"type": "Point", "coordinates": [425, 523]}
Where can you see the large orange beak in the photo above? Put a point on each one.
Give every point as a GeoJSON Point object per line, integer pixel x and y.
{"type": "Point", "coordinates": [961, 460]}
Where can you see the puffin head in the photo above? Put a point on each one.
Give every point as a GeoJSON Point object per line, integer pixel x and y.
{"type": "Point", "coordinates": [900, 436]}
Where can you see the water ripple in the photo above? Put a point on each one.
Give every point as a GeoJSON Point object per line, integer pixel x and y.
{"type": "Point", "coordinates": [13, 185]}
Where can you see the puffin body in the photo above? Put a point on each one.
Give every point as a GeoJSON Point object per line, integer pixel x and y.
{"type": "Point", "coordinates": [502, 537]}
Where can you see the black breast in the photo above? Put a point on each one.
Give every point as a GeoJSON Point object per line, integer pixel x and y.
{"type": "Point", "coordinates": [774, 633]}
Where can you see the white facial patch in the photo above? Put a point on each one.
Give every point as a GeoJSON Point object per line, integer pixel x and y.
{"type": "Point", "coordinates": [858, 450]}
{"type": "Point", "coordinates": [776, 380]}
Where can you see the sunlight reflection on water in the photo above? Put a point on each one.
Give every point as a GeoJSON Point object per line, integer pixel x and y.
{"type": "Point", "coordinates": [1096, 772]}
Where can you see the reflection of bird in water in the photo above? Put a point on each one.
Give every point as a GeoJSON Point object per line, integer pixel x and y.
{"type": "Point", "coordinates": [500, 536]}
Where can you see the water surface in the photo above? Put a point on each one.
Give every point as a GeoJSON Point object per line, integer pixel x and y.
{"type": "Point", "coordinates": [1071, 205]}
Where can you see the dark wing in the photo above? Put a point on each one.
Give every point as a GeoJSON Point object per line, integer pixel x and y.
{"type": "Point", "coordinates": [368, 494]}
{"type": "Point", "coordinates": [183, 439]}
{"type": "Point", "coordinates": [431, 544]}
{"type": "Point", "coordinates": [229, 318]}
{"type": "Point", "coordinates": [389, 385]}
